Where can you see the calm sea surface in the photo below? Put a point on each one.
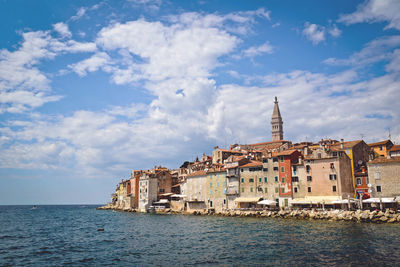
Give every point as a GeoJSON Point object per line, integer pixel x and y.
{"type": "Point", "coordinates": [67, 235]}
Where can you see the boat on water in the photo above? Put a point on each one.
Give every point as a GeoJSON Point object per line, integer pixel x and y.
{"type": "Point", "coordinates": [34, 207]}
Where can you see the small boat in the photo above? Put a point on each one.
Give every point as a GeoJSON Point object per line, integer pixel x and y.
{"type": "Point", "coordinates": [34, 207]}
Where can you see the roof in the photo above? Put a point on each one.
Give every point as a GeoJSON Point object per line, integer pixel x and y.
{"type": "Point", "coordinates": [385, 142]}
{"type": "Point", "coordinates": [384, 160]}
{"type": "Point", "coordinates": [395, 148]}
{"type": "Point", "coordinates": [217, 170]}
{"type": "Point", "coordinates": [347, 144]}
{"type": "Point", "coordinates": [198, 173]}
{"type": "Point", "coordinates": [279, 142]}
{"type": "Point", "coordinates": [284, 153]}
{"type": "Point", "coordinates": [252, 164]}
{"type": "Point", "coordinates": [247, 199]}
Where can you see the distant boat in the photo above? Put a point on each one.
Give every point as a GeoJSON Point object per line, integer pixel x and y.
{"type": "Point", "coordinates": [34, 207]}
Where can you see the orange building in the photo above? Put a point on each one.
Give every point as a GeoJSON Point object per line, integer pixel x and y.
{"type": "Point", "coordinates": [381, 148]}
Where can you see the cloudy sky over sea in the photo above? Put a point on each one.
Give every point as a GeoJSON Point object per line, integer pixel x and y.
{"type": "Point", "coordinates": [90, 90]}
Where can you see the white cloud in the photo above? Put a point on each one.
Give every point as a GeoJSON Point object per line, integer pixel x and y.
{"type": "Point", "coordinates": [313, 32]}
{"type": "Point", "coordinates": [375, 11]}
{"type": "Point", "coordinates": [91, 64]}
{"type": "Point", "coordinates": [254, 51]}
{"type": "Point", "coordinates": [81, 11]}
{"type": "Point", "coordinates": [62, 29]}
{"type": "Point", "coordinates": [380, 49]}
{"type": "Point", "coordinates": [334, 31]}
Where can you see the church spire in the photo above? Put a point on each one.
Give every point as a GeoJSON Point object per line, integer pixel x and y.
{"type": "Point", "coordinates": [277, 123]}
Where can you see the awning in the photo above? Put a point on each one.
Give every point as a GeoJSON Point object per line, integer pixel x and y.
{"type": "Point", "coordinates": [247, 199]}
{"type": "Point", "coordinates": [166, 194]}
{"type": "Point", "coordinates": [162, 201]}
{"type": "Point", "coordinates": [317, 200]}
{"type": "Point", "coordinates": [377, 200]}
{"type": "Point", "coordinates": [343, 201]}
{"type": "Point", "coordinates": [266, 202]}
{"type": "Point", "coordinates": [178, 195]}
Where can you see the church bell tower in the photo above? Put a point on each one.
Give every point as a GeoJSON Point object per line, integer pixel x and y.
{"type": "Point", "coordinates": [277, 123]}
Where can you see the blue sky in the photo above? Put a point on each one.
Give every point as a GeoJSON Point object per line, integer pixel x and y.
{"type": "Point", "coordinates": [90, 90]}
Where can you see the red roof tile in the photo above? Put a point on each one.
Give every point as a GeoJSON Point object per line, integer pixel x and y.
{"type": "Point", "coordinates": [385, 142]}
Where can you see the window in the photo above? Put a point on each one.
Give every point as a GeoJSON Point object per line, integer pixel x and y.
{"type": "Point", "coordinates": [210, 203]}
{"type": "Point", "coordinates": [276, 168]}
{"type": "Point", "coordinates": [282, 169]}
{"type": "Point", "coordinates": [359, 182]}
{"type": "Point", "coordinates": [259, 180]}
{"type": "Point", "coordinates": [309, 189]}
{"type": "Point", "coordinates": [378, 188]}
{"type": "Point", "coordinates": [162, 190]}
{"type": "Point", "coordinates": [308, 168]}
{"type": "Point", "coordinates": [276, 178]}
{"type": "Point", "coordinates": [265, 169]}
{"type": "Point", "coordinates": [259, 189]}
{"type": "Point", "coordinates": [265, 160]}
{"type": "Point", "coordinates": [276, 190]}
{"type": "Point", "coordinates": [319, 155]}
{"type": "Point", "coordinates": [265, 190]}
{"type": "Point", "coordinates": [210, 184]}
{"type": "Point", "coordinates": [377, 175]}
{"type": "Point", "coordinates": [275, 160]}
{"type": "Point", "coordinates": [251, 189]}
{"type": "Point", "coordinates": [295, 179]}
{"type": "Point", "coordinates": [242, 190]}
{"type": "Point", "coordinates": [283, 179]}
{"type": "Point", "coordinates": [265, 179]}
{"type": "Point", "coordinates": [381, 148]}
{"type": "Point", "coordinates": [332, 165]}
{"type": "Point", "coordinates": [309, 178]}
{"type": "Point", "coordinates": [224, 201]}
{"type": "Point", "coordinates": [334, 188]}
{"type": "Point", "coordinates": [242, 180]}
{"type": "Point", "coordinates": [251, 180]}
{"type": "Point", "coordinates": [210, 192]}
{"type": "Point", "coordinates": [295, 189]}
{"type": "Point", "coordinates": [282, 190]}
{"type": "Point", "coordinates": [241, 170]}
{"type": "Point", "coordinates": [282, 159]}
{"type": "Point", "coordinates": [332, 176]}
{"type": "Point", "coordinates": [334, 154]}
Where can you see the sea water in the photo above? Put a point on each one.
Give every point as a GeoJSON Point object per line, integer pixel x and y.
{"type": "Point", "coordinates": [68, 235]}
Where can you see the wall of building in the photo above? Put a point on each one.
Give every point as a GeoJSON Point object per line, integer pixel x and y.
{"type": "Point", "coordinates": [215, 190]}
{"type": "Point", "coordinates": [387, 176]}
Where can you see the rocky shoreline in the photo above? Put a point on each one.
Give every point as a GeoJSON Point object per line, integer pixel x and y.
{"type": "Point", "coordinates": [389, 216]}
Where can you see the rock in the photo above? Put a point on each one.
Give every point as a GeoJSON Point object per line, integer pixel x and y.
{"type": "Point", "coordinates": [391, 220]}
{"type": "Point", "coordinates": [383, 219]}
{"type": "Point", "coordinates": [100, 229]}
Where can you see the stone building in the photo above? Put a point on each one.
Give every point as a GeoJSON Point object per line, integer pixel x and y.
{"type": "Point", "coordinates": [134, 188]}
{"type": "Point", "coordinates": [322, 177]}
{"type": "Point", "coordinates": [384, 177]}
{"type": "Point", "coordinates": [195, 191]}
{"type": "Point", "coordinates": [147, 190]}
{"type": "Point", "coordinates": [394, 151]}
{"type": "Point", "coordinates": [251, 184]}
{"type": "Point", "coordinates": [216, 188]}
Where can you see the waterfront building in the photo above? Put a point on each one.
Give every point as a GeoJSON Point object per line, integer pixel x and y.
{"type": "Point", "coordinates": [147, 190]}
{"type": "Point", "coordinates": [194, 190]}
{"type": "Point", "coordinates": [358, 152]}
{"type": "Point", "coordinates": [282, 164]}
{"type": "Point", "coordinates": [216, 188]}
{"type": "Point", "coordinates": [381, 148]}
{"type": "Point", "coordinates": [384, 177]}
{"type": "Point", "coordinates": [134, 188]}
{"type": "Point", "coordinates": [251, 184]}
{"type": "Point", "coordinates": [323, 177]}
{"type": "Point", "coordinates": [362, 181]}
{"type": "Point", "coordinates": [232, 179]}
{"type": "Point", "coordinates": [219, 155]}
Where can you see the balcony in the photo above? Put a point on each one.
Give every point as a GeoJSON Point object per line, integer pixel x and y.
{"type": "Point", "coordinates": [229, 191]}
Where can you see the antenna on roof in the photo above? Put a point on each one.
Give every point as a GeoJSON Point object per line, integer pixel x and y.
{"type": "Point", "coordinates": [390, 136]}
{"type": "Point", "coordinates": [362, 136]}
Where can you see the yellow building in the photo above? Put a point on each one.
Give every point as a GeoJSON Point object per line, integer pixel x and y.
{"type": "Point", "coordinates": [216, 189]}
{"type": "Point", "coordinates": [381, 148]}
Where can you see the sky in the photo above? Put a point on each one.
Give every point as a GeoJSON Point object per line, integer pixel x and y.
{"type": "Point", "coordinates": [90, 90]}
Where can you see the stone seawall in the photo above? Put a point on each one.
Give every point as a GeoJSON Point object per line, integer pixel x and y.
{"type": "Point", "coordinates": [389, 216]}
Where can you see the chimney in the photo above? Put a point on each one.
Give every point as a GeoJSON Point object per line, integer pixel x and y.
{"type": "Point", "coordinates": [341, 143]}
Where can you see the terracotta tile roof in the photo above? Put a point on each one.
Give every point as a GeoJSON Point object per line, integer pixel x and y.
{"type": "Point", "coordinates": [347, 144]}
{"type": "Point", "coordinates": [217, 170]}
{"type": "Point", "coordinates": [395, 148]}
{"type": "Point", "coordinates": [251, 164]}
{"type": "Point", "coordinates": [284, 153]}
{"type": "Point", "coordinates": [385, 142]}
{"type": "Point", "coordinates": [280, 142]}
{"type": "Point", "coordinates": [198, 173]}
{"type": "Point", "coordinates": [384, 160]}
